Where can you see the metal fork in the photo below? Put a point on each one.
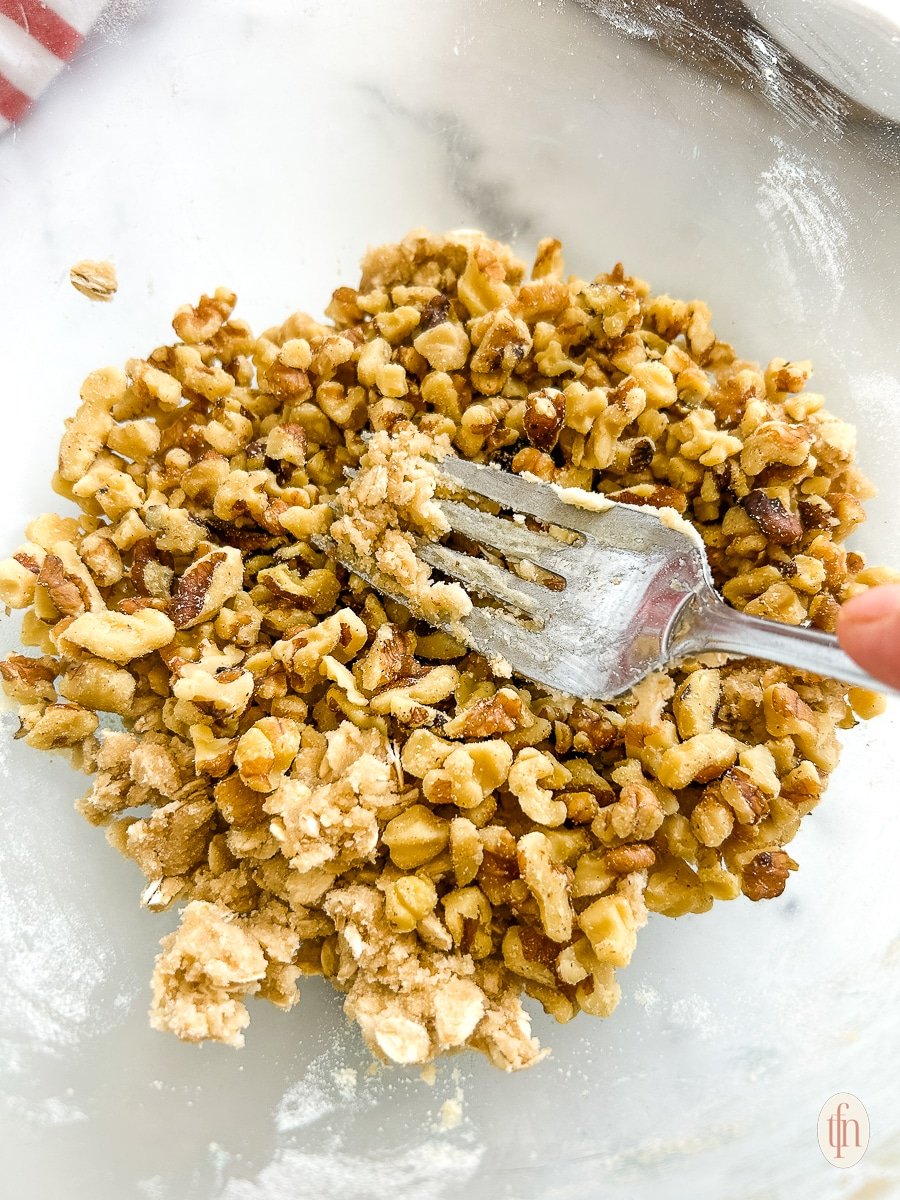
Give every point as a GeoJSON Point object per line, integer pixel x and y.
{"type": "Point", "coordinates": [635, 593]}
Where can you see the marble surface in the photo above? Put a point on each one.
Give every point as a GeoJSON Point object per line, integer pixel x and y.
{"type": "Point", "coordinates": [262, 145]}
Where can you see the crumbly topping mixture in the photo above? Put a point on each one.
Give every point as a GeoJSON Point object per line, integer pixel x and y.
{"type": "Point", "coordinates": [386, 505]}
{"type": "Point", "coordinates": [325, 783]}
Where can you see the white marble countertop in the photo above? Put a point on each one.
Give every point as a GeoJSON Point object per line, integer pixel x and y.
{"type": "Point", "coordinates": [263, 145]}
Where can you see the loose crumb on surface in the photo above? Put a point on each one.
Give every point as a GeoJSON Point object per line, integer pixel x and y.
{"type": "Point", "coordinates": [451, 1114]}
{"type": "Point", "coordinates": [325, 784]}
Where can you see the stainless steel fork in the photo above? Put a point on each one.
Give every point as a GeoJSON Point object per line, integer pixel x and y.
{"type": "Point", "coordinates": [633, 593]}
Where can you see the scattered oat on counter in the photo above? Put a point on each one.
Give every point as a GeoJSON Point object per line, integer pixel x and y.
{"type": "Point", "coordinates": [96, 280]}
{"type": "Point", "coordinates": [324, 783]}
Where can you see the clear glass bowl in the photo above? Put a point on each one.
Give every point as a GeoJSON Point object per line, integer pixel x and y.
{"type": "Point", "coordinates": [263, 146]}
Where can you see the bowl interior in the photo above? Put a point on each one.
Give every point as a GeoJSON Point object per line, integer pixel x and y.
{"type": "Point", "coordinates": [264, 147]}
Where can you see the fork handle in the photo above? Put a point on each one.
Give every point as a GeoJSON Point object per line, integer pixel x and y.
{"type": "Point", "coordinates": [707, 623]}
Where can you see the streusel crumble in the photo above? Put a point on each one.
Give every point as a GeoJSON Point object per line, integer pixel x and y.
{"type": "Point", "coordinates": [327, 784]}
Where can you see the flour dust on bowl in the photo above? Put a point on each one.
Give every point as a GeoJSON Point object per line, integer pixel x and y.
{"type": "Point", "coordinates": [706, 181]}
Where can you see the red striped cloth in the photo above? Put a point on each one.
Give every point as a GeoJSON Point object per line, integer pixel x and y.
{"type": "Point", "coordinates": [37, 39]}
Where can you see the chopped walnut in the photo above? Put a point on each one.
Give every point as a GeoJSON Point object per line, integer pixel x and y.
{"type": "Point", "coordinates": [549, 885]}
{"type": "Point", "coordinates": [531, 769]}
{"type": "Point", "coordinates": [120, 637]}
{"type": "Point", "coordinates": [766, 875]}
{"type": "Point", "coordinates": [265, 752]}
{"type": "Point", "coordinates": [610, 927]}
{"type": "Point", "coordinates": [328, 786]}
{"type": "Point", "coordinates": [503, 712]}
{"type": "Point", "coordinates": [543, 418]}
{"type": "Point", "coordinates": [409, 900]}
{"type": "Point", "coordinates": [214, 683]}
{"type": "Point", "coordinates": [29, 680]}
{"type": "Point", "coordinates": [198, 323]}
{"type": "Point", "coordinates": [55, 726]}
{"type": "Point", "coordinates": [207, 584]}
{"type": "Point", "coordinates": [780, 526]}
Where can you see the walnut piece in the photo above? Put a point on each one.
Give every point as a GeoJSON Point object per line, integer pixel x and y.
{"type": "Point", "coordinates": [207, 584]}
{"type": "Point", "coordinates": [780, 526]}
{"type": "Point", "coordinates": [120, 637]}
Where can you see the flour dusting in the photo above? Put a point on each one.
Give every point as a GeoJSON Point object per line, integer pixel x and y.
{"type": "Point", "coordinates": [878, 393]}
{"type": "Point", "coordinates": [692, 1012]}
{"type": "Point", "coordinates": [427, 1171]}
{"type": "Point", "coordinates": [153, 1188]}
{"type": "Point", "coordinates": [54, 960]}
{"type": "Point", "coordinates": [802, 206]}
{"type": "Point", "coordinates": [115, 20]}
{"type": "Point", "coordinates": [328, 1085]}
{"type": "Point", "coordinates": [49, 1112]}
{"type": "Point", "coordinates": [656, 1151]}
{"type": "Point", "coordinates": [301, 1105]}
{"type": "Point", "coordinates": [647, 997]}
{"type": "Point", "coordinates": [346, 1081]}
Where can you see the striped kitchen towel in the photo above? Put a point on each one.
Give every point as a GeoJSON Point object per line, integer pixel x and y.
{"type": "Point", "coordinates": [36, 42]}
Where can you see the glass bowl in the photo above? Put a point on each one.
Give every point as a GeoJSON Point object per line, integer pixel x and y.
{"type": "Point", "coordinates": [263, 147]}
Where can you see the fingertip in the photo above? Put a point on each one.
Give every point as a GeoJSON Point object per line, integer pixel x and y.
{"type": "Point", "coordinates": [872, 605]}
{"type": "Point", "coordinates": [868, 629]}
